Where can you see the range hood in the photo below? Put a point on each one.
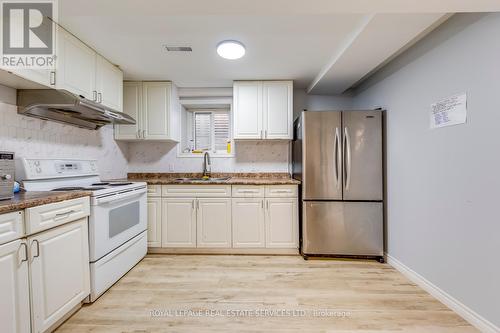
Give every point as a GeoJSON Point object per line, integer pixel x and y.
{"type": "Point", "coordinates": [65, 107]}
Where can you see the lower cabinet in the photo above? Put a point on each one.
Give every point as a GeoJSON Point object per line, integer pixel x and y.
{"type": "Point", "coordinates": [281, 223]}
{"type": "Point", "coordinates": [178, 222]}
{"type": "Point", "coordinates": [154, 222]}
{"type": "Point", "coordinates": [209, 216]}
{"type": "Point", "coordinates": [14, 287]}
{"type": "Point", "coordinates": [213, 222]}
{"type": "Point", "coordinates": [60, 277]}
{"type": "Point", "coordinates": [248, 223]}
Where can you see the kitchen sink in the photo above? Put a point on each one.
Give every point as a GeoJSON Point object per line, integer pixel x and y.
{"type": "Point", "coordinates": [205, 180]}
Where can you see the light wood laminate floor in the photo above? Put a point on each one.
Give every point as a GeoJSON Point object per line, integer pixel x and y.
{"type": "Point", "coordinates": [359, 296]}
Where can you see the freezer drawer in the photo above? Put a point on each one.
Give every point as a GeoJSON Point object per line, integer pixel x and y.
{"type": "Point", "coordinates": [342, 228]}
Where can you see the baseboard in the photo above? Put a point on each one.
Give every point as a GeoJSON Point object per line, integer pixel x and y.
{"type": "Point", "coordinates": [247, 251]}
{"type": "Point", "coordinates": [461, 309]}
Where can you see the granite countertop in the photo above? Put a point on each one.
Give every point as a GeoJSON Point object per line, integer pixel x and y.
{"type": "Point", "coordinates": [24, 200]}
{"type": "Point", "coordinates": [235, 178]}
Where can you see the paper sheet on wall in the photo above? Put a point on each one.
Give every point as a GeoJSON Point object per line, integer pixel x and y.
{"type": "Point", "coordinates": [449, 111]}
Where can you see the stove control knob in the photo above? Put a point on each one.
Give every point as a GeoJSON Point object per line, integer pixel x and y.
{"type": "Point", "coordinates": [6, 177]}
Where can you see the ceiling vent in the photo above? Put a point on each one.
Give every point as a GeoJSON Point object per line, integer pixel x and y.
{"type": "Point", "coordinates": [171, 48]}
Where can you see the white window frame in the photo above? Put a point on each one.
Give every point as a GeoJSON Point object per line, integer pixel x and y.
{"type": "Point", "coordinates": [212, 153]}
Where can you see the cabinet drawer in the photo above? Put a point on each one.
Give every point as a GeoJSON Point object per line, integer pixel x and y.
{"type": "Point", "coordinates": [11, 226]}
{"type": "Point", "coordinates": [246, 191]}
{"type": "Point", "coordinates": [48, 216]}
{"type": "Point", "coordinates": [154, 190]}
{"type": "Point", "coordinates": [277, 191]}
{"type": "Point", "coordinates": [198, 191]}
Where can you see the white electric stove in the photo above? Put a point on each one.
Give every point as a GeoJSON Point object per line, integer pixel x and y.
{"type": "Point", "coordinates": [118, 214]}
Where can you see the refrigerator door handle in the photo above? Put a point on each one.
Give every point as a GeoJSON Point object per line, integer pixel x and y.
{"type": "Point", "coordinates": [336, 151]}
{"type": "Point", "coordinates": [347, 158]}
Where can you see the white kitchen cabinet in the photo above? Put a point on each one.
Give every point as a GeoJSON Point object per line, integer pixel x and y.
{"type": "Point", "coordinates": [263, 110]}
{"type": "Point", "coordinates": [75, 66]}
{"type": "Point", "coordinates": [109, 84]}
{"type": "Point", "coordinates": [247, 110]}
{"type": "Point", "coordinates": [42, 76]}
{"type": "Point", "coordinates": [82, 71]}
{"type": "Point", "coordinates": [14, 287]}
{"type": "Point", "coordinates": [281, 223]}
{"type": "Point", "coordinates": [132, 105]}
{"type": "Point", "coordinates": [214, 222]}
{"type": "Point", "coordinates": [60, 277]}
{"type": "Point", "coordinates": [154, 222]}
{"type": "Point", "coordinates": [278, 109]}
{"type": "Point", "coordinates": [248, 223]}
{"type": "Point", "coordinates": [178, 222]}
{"type": "Point", "coordinates": [156, 108]}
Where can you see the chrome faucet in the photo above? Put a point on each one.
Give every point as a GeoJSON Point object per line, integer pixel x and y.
{"type": "Point", "coordinates": [206, 165]}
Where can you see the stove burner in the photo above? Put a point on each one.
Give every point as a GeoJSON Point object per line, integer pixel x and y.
{"type": "Point", "coordinates": [100, 184]}
{"type": "Point", "coordinates": [119, 184]}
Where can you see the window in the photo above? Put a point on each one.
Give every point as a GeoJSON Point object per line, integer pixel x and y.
{"type": "Point", "coordinates": [207, 130]}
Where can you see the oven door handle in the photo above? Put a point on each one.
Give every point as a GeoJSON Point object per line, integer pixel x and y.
{"type": "Point", "coordinates": [120, 196]}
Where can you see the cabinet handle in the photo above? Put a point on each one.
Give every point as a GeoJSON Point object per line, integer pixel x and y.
{"type": "Point", "coordinates": [265, 134]}
{"type": "Point", "coordinates": [267, 205]}
{"type": "Point", "coordinates": [94, 95]}
{"type": "Point", "coordinates": [63, 215]}
{"type": "Point", "coordinates": [99, 97]}
{"type": "Point", "coordinates": [52, 78]}
{"type": "Point", "coordinates": [37, 248]}
{"type": "Point", "coordinates": [138, 134]}
{"type": "Point", "coordinates": [25, 252]}
{"type": "Point", "coordinates": [192, 204]}
{"type": "Point", "coordinates": [198, 204]}
{"type": "Point", "coordinates": [143, 134]}
{"type": "Point", "coordinates": [262, 204]}
{"type": "Point", "coordinates": [261, 134]}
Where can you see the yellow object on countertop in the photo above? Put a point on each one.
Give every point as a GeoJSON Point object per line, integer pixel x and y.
{"type": "Point", "coordinates": [229, 147]}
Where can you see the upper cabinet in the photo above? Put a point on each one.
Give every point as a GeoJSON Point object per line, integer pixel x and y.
{"type": "Point", "coordinates": [156, 107]}
{"type": "Point", "coordinates": [82, 71]}
{"type": "Point", "coordinates": [263, 110]}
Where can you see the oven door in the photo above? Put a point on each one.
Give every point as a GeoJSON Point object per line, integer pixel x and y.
{"type": "Point", "coordinates": [115, 219]}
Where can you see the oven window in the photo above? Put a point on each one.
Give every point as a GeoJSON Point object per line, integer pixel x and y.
{"type": "Point", "coordinates": [123, 218]}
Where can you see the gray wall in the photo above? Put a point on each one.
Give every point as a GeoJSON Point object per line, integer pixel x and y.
{"type": "Point", "coordinates": [443, 190]}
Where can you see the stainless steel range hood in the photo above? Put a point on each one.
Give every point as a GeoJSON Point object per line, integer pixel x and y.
{"type": "Point", "coordinates": [65, 107]}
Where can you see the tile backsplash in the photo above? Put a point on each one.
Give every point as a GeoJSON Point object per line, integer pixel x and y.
{"type": "Point", "coordinates": [35, 138]}
{"type": "Point", "coordinates": [250, 156]}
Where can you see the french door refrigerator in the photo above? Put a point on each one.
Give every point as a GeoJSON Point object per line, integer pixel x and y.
{"type": "Point", "coordinates": [337, 155]}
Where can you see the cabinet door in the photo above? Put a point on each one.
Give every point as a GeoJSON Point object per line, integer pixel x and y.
{"type": "Point", "coordinates": [278, 109]}
{"type": "Point", "coordinates": [132, 105]}
{"type": "Point", "coordinates": [14, 288]}
{"type": "Point", "coordinates": [109, 84]}
{"type": "Point", "coordinates": [178, 223]}
{"type": "Point", "coordinates": [214, 223]}
{"type": "Point", "coordinates": [155, 110]}
{"type": "Point", "coordinates": [76, 64]}
{"type": "Point", "coordinates": [60, 277]}
{"type": "Point", "coordinates": [154, 222]}
{"type": "Point", "coordinates": [41, 76]}
{"type": "Point", "coordinates": [247, 110]}
{"type": "Point", "coordinates": [248, 222]}
{"type": "Point", "coordinates": [281, 223]}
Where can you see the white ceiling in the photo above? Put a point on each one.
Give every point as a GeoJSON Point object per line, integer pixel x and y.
{"type": "Point", "coordinates": [323, 45]}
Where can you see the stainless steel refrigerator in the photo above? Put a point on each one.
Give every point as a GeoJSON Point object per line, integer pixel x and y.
{"type": "Point", "coordinates": [337, 155]}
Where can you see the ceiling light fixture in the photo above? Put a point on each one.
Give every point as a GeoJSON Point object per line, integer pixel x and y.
{"type": "Point", "coordinates": [230, 49]}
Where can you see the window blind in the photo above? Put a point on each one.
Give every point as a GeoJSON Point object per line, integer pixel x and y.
{"type": "Point", "coordinates": [202, 130]}
{"type": "Point", "coordinates": [221, 130]}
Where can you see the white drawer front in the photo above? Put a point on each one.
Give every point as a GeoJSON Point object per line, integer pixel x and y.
{"type": "Point", "coordinates": [48, 216]}
{"type": "Point", "coordinates": [198, 191]}
{"type": "Point", "coordinates": [154, 190]}
{"type": "Point", "coordinates": [248, 191]}
{"type": "Point", "coordinates": [281, 191]}
{"type": "Point", "coordinates": [11, 227]}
